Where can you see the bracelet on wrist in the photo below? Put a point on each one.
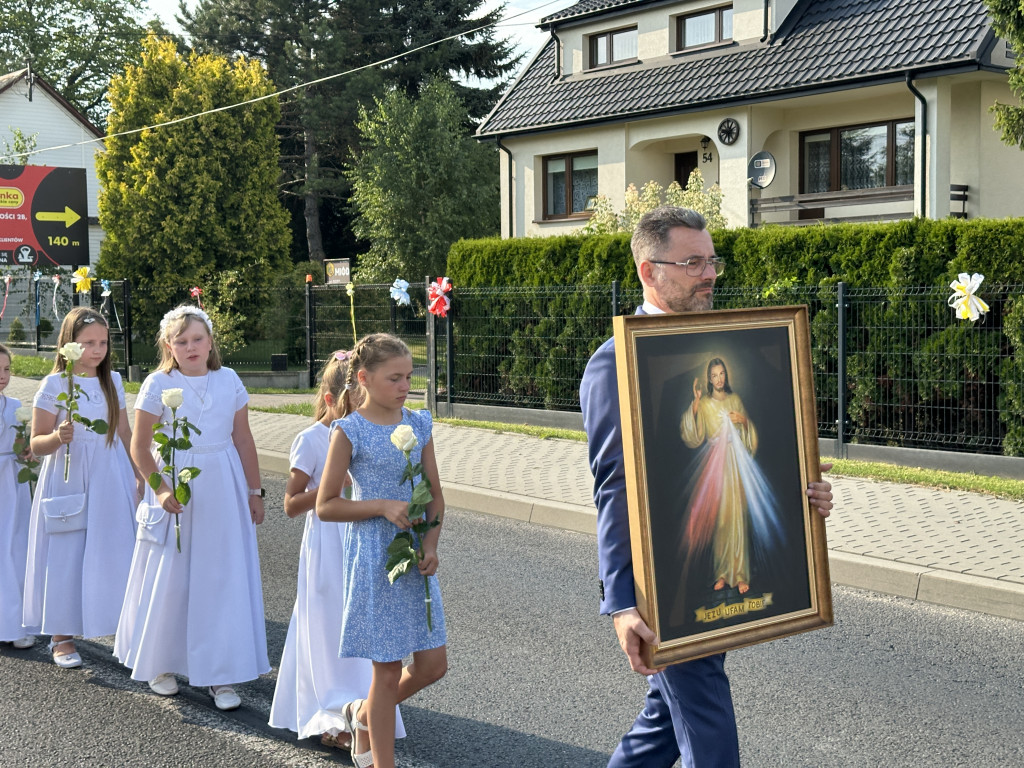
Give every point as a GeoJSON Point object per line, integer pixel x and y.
{"type": "Point", "coordinates": [257, 492]}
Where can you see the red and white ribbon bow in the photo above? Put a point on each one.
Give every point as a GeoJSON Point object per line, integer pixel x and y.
{"type": "Point", "coordinates": [195, 292]}
{"type": "Point", "coordinates": [438, 300]}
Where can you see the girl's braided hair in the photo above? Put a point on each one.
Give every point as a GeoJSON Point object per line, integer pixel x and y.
{"type": "Point", "coordinates": [368, 353]}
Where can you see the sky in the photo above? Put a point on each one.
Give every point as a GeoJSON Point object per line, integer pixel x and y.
{"type": "Point", "coordinates": [521, 29]}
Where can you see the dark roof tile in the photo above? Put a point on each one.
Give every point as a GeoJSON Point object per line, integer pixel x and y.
{"type": "Point", "coordinates": [832, 41]}
{"type": "Point", "coordinates": [588, 7]}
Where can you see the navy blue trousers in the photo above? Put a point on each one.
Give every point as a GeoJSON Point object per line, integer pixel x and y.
{"type": "Point", "coordinates": [688, 713]}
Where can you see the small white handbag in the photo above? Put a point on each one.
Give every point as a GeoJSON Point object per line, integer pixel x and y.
{"type": "Point", "coordinates": [153, 522]}
{"type": "Point", "coordinates": [62, 514]}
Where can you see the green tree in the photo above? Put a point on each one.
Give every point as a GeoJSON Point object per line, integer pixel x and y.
{"type": "Point", "coordinates": [194, 203]}
{"type": "Point", "coordinates": [420, 183]}
{"type": "Point", "coordinates": [1008, 22]}
{"type": "Point", "coordinates": [76, 45]}
{"type": "Point", "coordinates": [18, 148]}
{"type": "Point", "coordinates": [300, 41]}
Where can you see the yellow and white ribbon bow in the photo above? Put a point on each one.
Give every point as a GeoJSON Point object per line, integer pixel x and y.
{"type": "Point", "coordinates": [82, 280]}
{"type": "Point", "coordinates": [967, 305]}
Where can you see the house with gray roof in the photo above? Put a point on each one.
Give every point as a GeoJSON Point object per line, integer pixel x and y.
{"type": "Point", "coordinates": [801, 110]}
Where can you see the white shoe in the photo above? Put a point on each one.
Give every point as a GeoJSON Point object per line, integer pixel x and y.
{"type": "Point", "coordinates": [25, 642]}
{"type": "Point", "coordinates": [165, 684]}
{"type": "Point", "coordinates": [224, 697]}
{"type": "Point", "coordinates": [67, 660]}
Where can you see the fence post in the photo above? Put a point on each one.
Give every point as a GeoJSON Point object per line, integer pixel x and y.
{"type": "Point", "coordinates": [449, 356]}
{"type": "Point", "coordinates": [615, 298]}
{"type": "Point", "coordinates": [38, 335]}
{"type": "Point", "coordinates": [126, 326]}
{"type": "Point", "coordinates": [310, 321]}
{"type": "Point", "coordinates": [431, 355]}
{"type": "Point", "coordinates": [841, 372]}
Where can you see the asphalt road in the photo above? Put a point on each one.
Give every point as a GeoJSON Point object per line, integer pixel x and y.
{"type": "Point", "coordinates": [536, 679]}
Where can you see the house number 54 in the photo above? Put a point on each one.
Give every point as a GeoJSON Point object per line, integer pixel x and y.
{"type": "Point", "coordinates": [707, 157]}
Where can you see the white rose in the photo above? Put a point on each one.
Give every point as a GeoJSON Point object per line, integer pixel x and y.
{"type": "Point", "coordinates": [23, 414]}
{"type": "Point", "coordinates": [172, 398]}
{"type": "Point", "coordinates": [71, 351]}
{"type": "Point", "coordinates": [403, 438]}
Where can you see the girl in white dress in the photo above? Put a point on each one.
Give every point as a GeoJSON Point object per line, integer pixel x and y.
{"type": "Point", "coordinates": [17, 506]}
{"type": "Point", "coordinates": [313, 683]}
{"type": "Point", "coordinates": [77, 568]}
{"type": "Point", "coordinates": [197, 612]}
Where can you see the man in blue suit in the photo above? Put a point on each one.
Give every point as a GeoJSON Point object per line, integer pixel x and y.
{"type": "Point", "coordinates": [688, 710]}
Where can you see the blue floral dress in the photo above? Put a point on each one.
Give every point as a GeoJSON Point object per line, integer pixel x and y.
{"type": "Point", "coordinates": [383, 621]}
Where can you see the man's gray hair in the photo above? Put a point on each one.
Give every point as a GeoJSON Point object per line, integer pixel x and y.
{"type": "Point", "coordinates": [651, 235]}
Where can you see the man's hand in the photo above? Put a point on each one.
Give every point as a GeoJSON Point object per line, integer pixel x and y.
{"type": "Point", "coordinates": [631, 630]}
{"type": "Point", "coordinates": [696, 395]}
{"type": "Point", "coordinates": [821, 493]}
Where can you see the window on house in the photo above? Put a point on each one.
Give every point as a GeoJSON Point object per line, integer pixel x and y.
{"type": "Point", "coordinates": [613, 47]}
{"type": "Point", "coordinates": [704, 28]}
{"type": "Point", "coordinates": [569, 182]}
{"type": "Point", "coordinates": [857, 157]}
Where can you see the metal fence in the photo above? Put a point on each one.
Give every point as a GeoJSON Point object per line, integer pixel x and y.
{"type": "Point", "coordinates": [334, 320]}
{"type": "Point", "coordinates": [891, 366]}
{"type": "Point", "coordinates": [896, 363]}
{"type": "Point", "coordinates": [32, 310]}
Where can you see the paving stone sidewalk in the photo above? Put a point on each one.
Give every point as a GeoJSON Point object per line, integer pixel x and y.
{"type": "Point", "coordinates": [958, 549]}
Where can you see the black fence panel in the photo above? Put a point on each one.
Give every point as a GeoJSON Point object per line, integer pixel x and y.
{"type": "Point", "coordinates": [372, 310]}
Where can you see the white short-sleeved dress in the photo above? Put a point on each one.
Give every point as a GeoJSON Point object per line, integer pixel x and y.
{"type": "Point", "coordinates": [199, 612]}
{"type": "Point", "coordinates": [314, 683]}
{"type": "Point", "coordinates": [383, 621]}
{"type": "Point", "coordinates": [75, 580]}
{"type": "Point", "coordinates": [17, 503]}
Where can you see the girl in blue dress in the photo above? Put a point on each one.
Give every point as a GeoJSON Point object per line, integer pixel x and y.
{"type": "Point", "coordinates": [381, 621]}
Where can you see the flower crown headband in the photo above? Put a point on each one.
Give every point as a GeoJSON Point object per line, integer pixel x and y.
{"type": "Point", "coordinates": [179, 312]}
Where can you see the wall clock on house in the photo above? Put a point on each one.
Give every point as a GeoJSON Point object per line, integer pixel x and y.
{"type": "Point", "coordinates": [728, 131]}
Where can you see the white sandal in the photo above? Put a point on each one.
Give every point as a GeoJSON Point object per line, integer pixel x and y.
{"type": "Point", "coordinates": [351, 714]}
{"type": "Point", "coordinates": [65, 660]}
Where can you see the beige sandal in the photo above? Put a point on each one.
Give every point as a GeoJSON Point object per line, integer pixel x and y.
{"type": "Point", "coordinates": [340, 740]}
{"type": "Point", "coordinates": [351, 714]}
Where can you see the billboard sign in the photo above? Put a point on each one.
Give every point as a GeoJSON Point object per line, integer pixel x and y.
{"type": "Point", "coordinates": [43, 216]}
{"type": "Point", "coordinates": [337, 271]}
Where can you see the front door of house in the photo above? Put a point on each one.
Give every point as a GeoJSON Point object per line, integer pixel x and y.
{"type": "Point", "coordinates": [686, 163]}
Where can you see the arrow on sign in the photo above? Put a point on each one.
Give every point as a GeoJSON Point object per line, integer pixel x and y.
{"type": "Point", "coordinates": [69, 217]}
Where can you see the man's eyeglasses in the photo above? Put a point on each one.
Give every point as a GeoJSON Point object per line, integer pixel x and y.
{"type": "Point", "coordinates": [695, 265]}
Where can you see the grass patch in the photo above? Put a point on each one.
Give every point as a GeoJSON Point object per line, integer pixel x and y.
{"type": "Point", "coordinates": [306, 409]}
{"type": "Point", "coordinates": [933, 478]}
{"type": "Point", "coordinates": [279, 391]}
{"type": "Point", "coordinates": [30, 366]}
{"type": "Point", "coordinates": [544, 433]}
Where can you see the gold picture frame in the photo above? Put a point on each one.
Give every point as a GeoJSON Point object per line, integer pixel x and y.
{"type": "Point", "coordinates": [720, 439]}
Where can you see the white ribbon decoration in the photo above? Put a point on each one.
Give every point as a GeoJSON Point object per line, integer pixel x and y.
{"type": "Point", "coordinates": [966, 305]}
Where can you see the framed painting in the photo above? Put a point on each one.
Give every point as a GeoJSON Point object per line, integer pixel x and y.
{"type": "Point", "coordinates": [719, 432]}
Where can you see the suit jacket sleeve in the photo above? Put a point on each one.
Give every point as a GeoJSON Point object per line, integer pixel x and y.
{"type": "Point", "coordinates": [599, 401]}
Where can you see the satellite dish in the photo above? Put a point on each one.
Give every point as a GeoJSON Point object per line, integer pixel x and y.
{"type": "Point", "coordinates": [761, 169]}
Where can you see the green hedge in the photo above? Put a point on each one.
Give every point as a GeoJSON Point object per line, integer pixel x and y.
{"type": "Point", "coordinates": [930, 376]}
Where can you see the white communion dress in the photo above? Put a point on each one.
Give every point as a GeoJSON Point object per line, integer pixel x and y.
{"type": "Point", "coordinates": [198, 612]}
{"type": "Point", "coordinates": [17, 503]}
{"type": "Point", "coordinates": [75, 579]}
{"type": "Point", "coordinates": [314, 683]}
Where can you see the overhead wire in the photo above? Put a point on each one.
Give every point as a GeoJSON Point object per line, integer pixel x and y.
{"type": "Point", "coordinates": [275, 94]}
